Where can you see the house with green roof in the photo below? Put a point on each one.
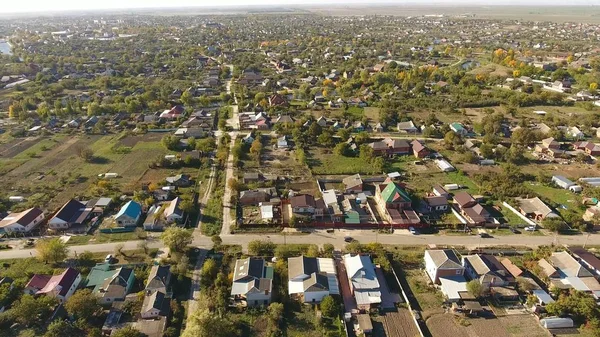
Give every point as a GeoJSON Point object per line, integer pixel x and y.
{"type": "Point", "coordinates": [395, 204]}
{"type": "Point", "coordinates": [458, 128]}
{"type": "Point", "coordinates": [110, 283]}
{"type": "Point", "coordinates": [129, 214]}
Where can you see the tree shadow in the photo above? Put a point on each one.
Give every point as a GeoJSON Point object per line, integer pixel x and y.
{"type": "Point", "coordinates": [99, 160]}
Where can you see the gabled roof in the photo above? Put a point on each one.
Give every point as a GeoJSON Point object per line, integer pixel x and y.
{"type": "Point", "coordinates": [352, 181]}
{"type": "Point", "coordinates": [249, 267]}
{"type": "Point", "coordinates": [22, 218]}
{"type": "Point", "coordinates": [444, 259]}
{"type": "Point", "coordinates": [38, 281]}
{"type": "Point", "coordinates": [534, 206]}
{"type": "Point", "coordinates": [316, 282]}
{"type": "Point", "coordinates": [586, 256]}
{"type": "Point", "coordinates": [417, 146]}
{"type": "Point", "coordinates": [463, 198]}
{"type": "Point", "coordinates": [484, 264]}
{"type": "Point", "coordinates": [154, 301]}
{"type": "Point", "coordinates": [131, 209]}
{"type": "Point", "coordinates": [158, 277]}
{"type": "Point", "coordinates": [394, 193]}
{"type": "Point", "coordinates": [302, 265]}
{"type": "Point", "coordinates": [303, 200]}
{"type": "Point", "coordinates": [70, 211]}
{"type": "Point", "coordinates": [173, 208]}
{"type": "Point", "coordinates": [568, 265]}
{"type": "Point", "coordinates": [65, 280]}
{"type": "Point", "coordinates": [361, 272]}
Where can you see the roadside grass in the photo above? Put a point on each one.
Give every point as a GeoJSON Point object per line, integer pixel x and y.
{"type": "Point", "coordinates": [212, 214]}
{"type": "Point", "coordinates": [77, 240]}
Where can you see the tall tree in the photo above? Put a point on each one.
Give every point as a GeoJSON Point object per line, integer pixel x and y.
{"type": "Point", "coordinates": [52, 250]}
{"type": "Point", "coordinates": [176, 239]}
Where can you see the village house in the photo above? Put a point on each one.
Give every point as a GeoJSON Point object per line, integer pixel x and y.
{"type": "Point", "coordinates": [60, 286]}
{"type": "Point", "coordinates": [155, 305]}
{"type": "Point", "coordinates": [72, 213]}
{"type": "Point", "coordinates": [21, 222]}
{"type": "Point", "coordinates": [180, 180]}
{"type": "Point", "coordinates": [407, 127]}
{"type": "Point", "coordinates": [436, 203]}
{"type": "Point", "coordinates": [310, 278]}
{"type": "Point", "coordinates": [159, 279]}
{"type": "Point", "coordinates": [469, 208]}
{"type": "Point", "coordinates": [419, 150]}
{"type": "Point", "coordinates": [487, 270]}
{"type": "Point", "coordinates": [129, 214]}
{"type": "Point", "coordinates": [458, 128]}
{"type": "Point", "coordinates": [535, 209]}
{"type": "Point", "coordinates": [588, 147]}
{"type": "Point", "coordinates": [445, 270]}
{"type": "Point", "coordinates": [364, 284]}
{"type": "Point", "coordinates": [252, 282]}
{"type": "Point", "coordinates": [110, 283]}
{"type": "Point", "coordinates": [389, 146]}
{"type": "Point", "coordinates": [305, 205]}
{"type": "Point", "coordinates": [565, 272]}
{"type": "Point", "coordinates": [395, 204]}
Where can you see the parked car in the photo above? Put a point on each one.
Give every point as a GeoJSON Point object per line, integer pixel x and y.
{"type": "Point", "coordinates": [108, 258]}
{"type": "Point", "coordinates": [412, 230]}
{"type": "Point", "coordinates": [530, 228]}
{"type": "Point", "coordinates": [348, 239]}
{"type": "Point", "coordinates": [484, 235]}
{"type": "Point", "coordinates": [514, 230]}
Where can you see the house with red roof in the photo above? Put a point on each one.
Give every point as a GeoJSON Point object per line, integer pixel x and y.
{"type": "Point", "coordinates": [173, 113]}
{"type": "Point", "coordinates": [60, 286]}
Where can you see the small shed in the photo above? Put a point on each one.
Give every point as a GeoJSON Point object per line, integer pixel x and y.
{"type": "Point", "coordinates": [365, 325]}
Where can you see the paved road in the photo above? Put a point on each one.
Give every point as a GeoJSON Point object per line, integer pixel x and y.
{"type": "Point", "coordinates": [227, 206]}
{"type": "Point", "coordinates": [337, 239]}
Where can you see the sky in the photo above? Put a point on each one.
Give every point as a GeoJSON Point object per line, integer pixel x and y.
{"type": "Point", "coordinates": [12, 6]}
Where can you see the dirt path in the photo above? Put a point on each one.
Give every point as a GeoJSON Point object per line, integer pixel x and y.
{"type": "Point", "coordinates": [226, 228]}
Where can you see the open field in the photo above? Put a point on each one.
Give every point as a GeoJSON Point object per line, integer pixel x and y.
{"type": "Point", "coordinates": [396, 323]}
{"type": "Point", "coordinates": [56, 173]}
{"type": "Point", "coordinates": [324, 162]}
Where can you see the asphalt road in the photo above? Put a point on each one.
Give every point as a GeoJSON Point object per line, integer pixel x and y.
{"type": "Point", "coordinates": [337, 239]}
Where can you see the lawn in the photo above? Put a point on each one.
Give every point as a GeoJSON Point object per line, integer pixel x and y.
{"type": "Point", "coordinates": [324, 163]}
{"type": "Point", "coordinates": [103, 238]}
{"type": "Point", "coordinates": [556, 195]}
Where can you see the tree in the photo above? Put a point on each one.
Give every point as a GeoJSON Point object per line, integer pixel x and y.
{"type": "Point", "coordinates": [487, 151]}
{"type": "Point", "coordinates": [217, 242]}
{"type": "Point", "coordinates": [475, 288]}
{"type": "Point", "coordinates": [52, 250]}
{"type": "Point", "coordinates": [127, 332]}
{"type": "Point", "coordinates": [344, 134]}
{"type": "Point", "coordinates": [554, 224]}
{"type": "Point", "coordinates": [61, 328]}
{"type": "Point", "coordinates": [30, 311]}
{"type": "Point", "coordinates": [170, 142]}
{"type": "Point", "coordinates": [330, 307]}
{"type": "Point", "coordinates": [256, 149]}
{"type": "Point", "coordinates": [82, 304]}
{"type": "Point", "coordinates": [203, 323]}
{"type": "Point", "coordinates": [342, 149]}
{"type": "Point", "coordinates": [176, 239]}
{"type": "Point", "coordinates": [208, 273]}
{"type": "Point", "coordinates": [85, 153]}
{"type": "Point", "coordinates": [261, 247]}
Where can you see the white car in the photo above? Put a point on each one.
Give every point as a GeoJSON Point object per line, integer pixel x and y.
{"type": "Point", "coordinates": [530, 228]}
{"type": "Point", "coordinates": [412, 230]}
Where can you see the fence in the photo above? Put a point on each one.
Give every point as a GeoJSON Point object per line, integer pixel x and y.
{"type": "Point", "coordinates": [410, 308]}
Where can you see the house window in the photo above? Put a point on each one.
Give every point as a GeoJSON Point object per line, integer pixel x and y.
{"type": "Point", "coordinates": [458, 272]}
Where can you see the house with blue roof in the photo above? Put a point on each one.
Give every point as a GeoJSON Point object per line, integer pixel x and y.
{"type": "Point", "coordinates": [129, 214]}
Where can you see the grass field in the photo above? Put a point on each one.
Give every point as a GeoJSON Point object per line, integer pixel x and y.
{"type": "Point", "coordinates": [325, 163]}
{"type": "Point", "coordinates": [49, 171]}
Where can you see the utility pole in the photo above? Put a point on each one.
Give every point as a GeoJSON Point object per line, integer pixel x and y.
{"type": "Point", "coordinates": [586, 240]}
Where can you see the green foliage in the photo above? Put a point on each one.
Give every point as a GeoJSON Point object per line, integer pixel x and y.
{"type": "Point", "coordinates": [127, 332]}
{"type": "Point", "coordinates": [52, 250]}
{"type": "Point", "coordinates": [261, 248]}
{"type": "Point", "coordinates": [330, 307]}
{"type": "Point", "coordinates": [82, 304]}
{"type": "Point", "coordinates": [475, 288]}
{"type": "Point", "coordinates": [176, 239]}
